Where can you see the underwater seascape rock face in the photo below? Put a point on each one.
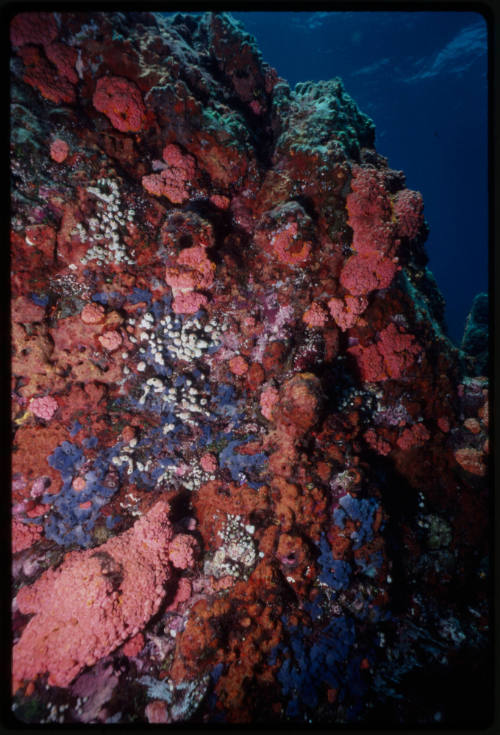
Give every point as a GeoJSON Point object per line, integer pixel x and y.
{"type": "Point", "coordinates": [249, 472]}
{"type": "Point", "coordinates": [475, 341]}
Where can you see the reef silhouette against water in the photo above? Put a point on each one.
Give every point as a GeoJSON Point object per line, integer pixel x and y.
{"type": "Point", "coordinates": [249, 469]}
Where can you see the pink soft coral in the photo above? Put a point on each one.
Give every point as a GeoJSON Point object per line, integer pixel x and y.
{"type": "Point", "coordinates": [188, 303]}
{"type": "Point", "coordinates": [44, 407]}
{"type": "Point", "coordinates": [94, 601]}
{"type": "Point", "coordinates": [369, 209]}
{"type": "Point", "coordinates": [120, 100]}
{"type": "Point", "coordinates": [92, 314]}
{"type": "Point", "coordinates": [408, 208]}
{"type": "Point", "coordinates": [398, 350]}
{"type": "Point", "coordinates": [392, 356]}
{"type": "Point", "coordinates": [268, 399]}
{"type": "Point", "coordinates": [370, 363]}
{"type": "Point", "coordinates": [377, 443]}
{"type": "Point", "coordinates": [182, 551]}
{"type": "Point", "coordinates": [345, 312]}
{"type": "Point", "coordinates": [59, 150]}
{"type": "Point", "coordinates": [238, 365]}
{"type": "Point", "coordinates": [111, 340]}
{"type": "Point", "coordinates": [315, 316]}
{"type": "Point", "coordinates": [370, 216]}
{"type": "Point", "coordinates": [367, 271]}
{"type": "Point", "coordinates": [24, 535]}
{"type": "Point", "coordinates": [208, 462]}
{"type": "Point", "coordinates": [173, 180]}
{"type": "Point", "coordinates": [134, 646]}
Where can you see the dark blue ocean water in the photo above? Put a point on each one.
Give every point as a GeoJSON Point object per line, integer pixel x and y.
{"type": "Point", "coordinates": [422, 78]}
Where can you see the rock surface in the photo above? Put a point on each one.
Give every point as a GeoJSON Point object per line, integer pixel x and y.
{"type": "Point", "coordinates": [250, 471]}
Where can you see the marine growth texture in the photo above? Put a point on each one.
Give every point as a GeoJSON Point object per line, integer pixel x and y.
{"type": "Point", "coordinates": [249, 470]}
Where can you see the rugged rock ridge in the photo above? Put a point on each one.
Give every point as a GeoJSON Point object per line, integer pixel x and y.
{"type": "Point", "coordinates": [224, 331]}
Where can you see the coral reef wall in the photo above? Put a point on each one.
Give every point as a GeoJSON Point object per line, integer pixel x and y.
{"type": "Point", "coordinates": [249, 470]}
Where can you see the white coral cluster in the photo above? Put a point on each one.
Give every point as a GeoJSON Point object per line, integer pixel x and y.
{"type": "Point", "coordinates": [237, 554]}
{"type": "Point", "coordinates": [187, 341]}
{"type": "Point", "coordinates": [103, 228]}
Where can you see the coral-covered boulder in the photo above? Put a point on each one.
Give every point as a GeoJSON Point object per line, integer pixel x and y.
{"type": "Point", "coordinates": [249, 469]}
{"type": "Point", "coordinates": [95, 600]}
{"type": "Point", "coordinates": [120, 100]}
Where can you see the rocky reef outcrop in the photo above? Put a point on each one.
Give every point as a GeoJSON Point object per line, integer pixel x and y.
{"type": "Point", "coordinates": [475, 341]}
{"type": "Point", "coordinates": [249, 472]}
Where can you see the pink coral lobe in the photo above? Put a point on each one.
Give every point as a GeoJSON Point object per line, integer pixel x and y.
{"type": "Point", "coordinates": [196, 258]}
{"type": "Point", "coordinates": [24, 535]}
{"type": "Point", "coordinates": [41, 75]}
{"type": "Point", "coordinates": [315, 316]}
{"type": "Point", "coordinates": [59, 150]}
{"type": "Point", "coordinates": [345, 313]}
{"type": "Point", "coordinates": [471, 460]}
{"type": "Point", "coordinates": [134, 646]}
{"type": "Point", "coordinates": [172, 180]}
{"type": "Point", "coordinates": [173, 156]}
{"type": "Point", "coordinates": [369, 209]}
{"type": "Point", "coordinates": [182, 595]}
{"type": "Point", "coordinates": [268, 399]}
{"type": "Point", "coordinates": [208, 462]}
{"type": "Point", "coordinates": [153, 184]}
{"type": "Point", "coordinates": [238, 365]}
{"type": "Point", "coordinates": [377, 443]}
{"type": "Point", "coordinates": [92, 314]}
{"type": "Point", "coordinates": [182, 551]}
{"type": "Point", "coordinates": [169, 183]}
{"type": "Point", "coordinates": [367, 271]}
{"type": "Point", "coordinates": [179, 280]}
{"type": "Point", "coordinates": [44, 407]}
{"type": "Point", "coordinates": [111, 340]}
{"type": "Point", "coordinates": [188, 303]}
{"type": "Point", "coordinates": [391, 357]}
{"type": "Point", "coordinates": [398, 349]}
{"type": "Point", "coordinates": [408, 209]}
{"type": "Point", "coordinates": [120, 100]}
{"type": "Point", "coordinates": [37, 510]}
{"type": "Point", "coordinates": [80, 615]}
{"type": "Point", "coordinates": [192, 256]}
{"type": "Point", "coordinates": [37, 28]}
{"type": "Point", "coordinates": [370, 363]}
